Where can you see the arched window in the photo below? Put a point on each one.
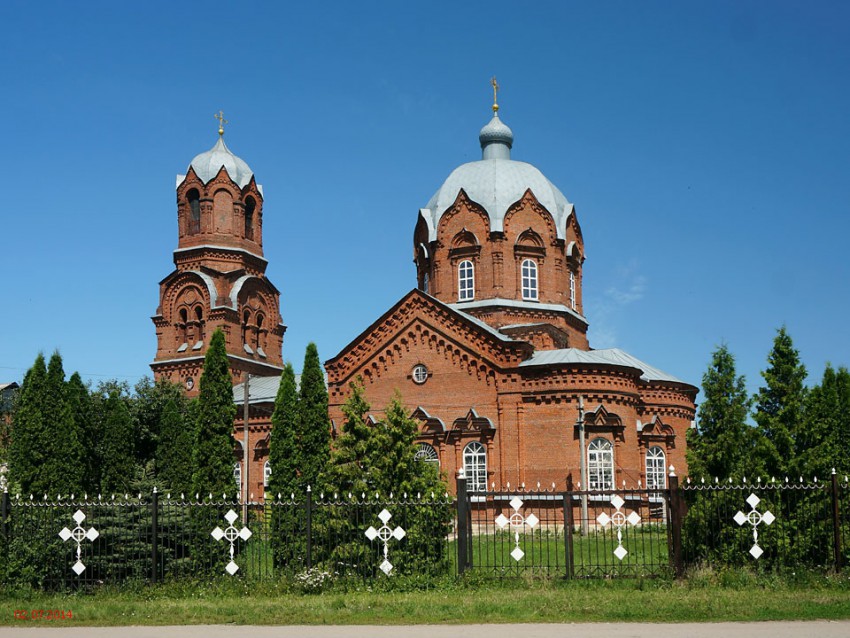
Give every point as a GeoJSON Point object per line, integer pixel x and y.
{"type": "Point", "coordinates": [194, 198]}
{"type": "Point", "coordinates": [656, 477]}
{"type": "Point", "coordinates": [257, 339]}
{"type": "Point", "coordinates": [475, 467]}
{"type": "Point", "coordinates": [529, 279]}
{"type": "Point", "coordinates": [237, 475]}
{"type": "Point", "coordinates": [572, 290]}
{"type": "Point", "coordinates": [600, 465]}
{"type": "Point", "coordinates": [199, 317]}
{"type": "Point", "coordinates": [267, 472]}
{"type": "Point", "coordinates": [465, 281]}
{"type": "Point", "coordinates": [427, 454]}
{"type": "Point", "coordinates": [246, 320]}
{"type": "Point", "coordinates": [181, 327]}
{"type": "Point", "coordinates": [250, 207]}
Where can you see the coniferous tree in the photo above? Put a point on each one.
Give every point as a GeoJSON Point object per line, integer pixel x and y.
{"type": "Point", "coordinates": [288, 543]}
{"type": "Point", "coordinates": [314, 434]}
{"type": "Point", "coordinates": [825, 439]}
{"type": "Point", "coordinates": [85, 426]}
{"type": "Point", "coordinates": [64, 469]}
{"type": "Point", "coordinates": [284, 447]}
{"type": "Point", "coordinates": [118, 464]}
{"type": "Point", "coordinates": [348, 470]}
{"type": "Point", "coordinates": [174, 452]}
{"type": "Point", "coordinates": [212, 458]}
{"type": "Point", "coordinates": [724, 445]}
{"type": "Point", "coordinates": [27, 453]}
{"type": "Point", "coordinates": [780, 406]}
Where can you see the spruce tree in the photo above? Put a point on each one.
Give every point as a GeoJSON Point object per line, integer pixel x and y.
{"type": "Point", "coordinates": [724, 445]}
{"type": "Point", "coordinates": [314, 424]}
{"type": "Point", "coordinates": [348, 470]}
{"type": "Point", "coordinates": [284, 446]}
{"type": "Point", "coordinates": [825, 439]}
{"type": "Point", "coordinates": [212, 458]}
{"type": "Point", "coordinates": [780, 406]}
{"type": "Point", "coordinates": [27, 453]}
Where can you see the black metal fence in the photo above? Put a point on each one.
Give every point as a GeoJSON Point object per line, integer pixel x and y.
{"type": "Point", "coordinates": [776, 526]}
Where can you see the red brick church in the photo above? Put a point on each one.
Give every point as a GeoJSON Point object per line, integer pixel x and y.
{"type": "Point", "coordinates": [489, 351]}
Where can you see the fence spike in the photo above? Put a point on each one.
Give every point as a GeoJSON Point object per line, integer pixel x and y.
{"type": "Point", "coordinates": [30, 496]}
{"type": "Point", "coordinates": [553, 485]}
{"type": "Point", "coordinates": [72, 497]}
{"type": "Point", "coordinates": [687, 480]}
{"type": "Point", "coordinates": [45, 497]}
{"type": "Point", "coordinates": [523, 485]}
{"type": "Point", "coordinates": [363, 495]}
{"type": "Point", "coordinates": [168, 496]}
{"type": "Point", "coordinates": [126, 496]}
{"type": "Point", "coordinates": [85, 496]}
{"type": "Point", "coordinates": [758, 480]}
{"type": "Point", "coordinates": [624, 483]}
{"type": "Point", "coordinates": [833, 470]}
{"type": "Point", "coordinates": [816, 479]}
{"type": "Point", "coordinates": [252, 496]}
{"type": "Point", "coordinates": [493, 486]}
{"type": "Point", "coordinates": [786, 479]}
{"type": "Point", "coordinates": [801, 479]}
{"type": "Point", "coordinates": [391, 496]}
{"type": "Point", "coordinates": [702, 480]}
{"type": "Point", "coordinates": [321, 496]}
{"type": "Point", "coordinates": [538, 485]}
{"type": "Point", "coordinates": [730, 479]}
{"type": "Point", "coordinates": [336, 498]}
{"type": "Point", "coordinates": [509, 485]}
{"type": "Point", "coordinates": [309, 489]}
{"type": "Point", "coordinates": [716, 480]}
{"type": "Point", "coordinates": [404, 496]}
{"type": "Point", "coordinates": [211, 496]}
{"type": "Point", "coordinates": [744, 479]}
{"type": "Point", "coordinates": [377, 495]}
{"type": "Point", "coordinates": [773, 479]}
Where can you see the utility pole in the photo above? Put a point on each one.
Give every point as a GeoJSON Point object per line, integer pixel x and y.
{"type": "Point", "coordinates": [582, 465]}
{"type": "Point", "coordinates": [247, 379]}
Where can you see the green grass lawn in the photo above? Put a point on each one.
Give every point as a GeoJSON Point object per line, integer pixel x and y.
{"type": "Point", "coordinates": [704, 597]}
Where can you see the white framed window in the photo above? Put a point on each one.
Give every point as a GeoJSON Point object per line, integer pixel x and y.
{"type": "Point", "coordinates": [529, 279]}
{"type": "Point", "coordinates": [475, 466]}
{"type": "Point", "coordinates": [600, 465]}
{"type": "Point", "coordinates": [420, 373]}
{"type": "Point", "coordinates": [465, 281]}
{"type": "Point", "coordinates": [656, 477]}
{"type": "Point", "coordinates": [427, 454]}
{"type": "Point", "coordinates": [267, 472]}
{"type": "Point", "coordinates": [237, 475]}
{"type": "Point", "coordinates": [572, 290]}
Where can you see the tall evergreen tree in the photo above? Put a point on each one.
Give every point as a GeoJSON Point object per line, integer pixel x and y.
{"type": "Point", "coordinates": [780, 406]}
{"type": "Point", "coordinates": [348, 470]}
{"type": "Point", "coordinates": [85, 426]}
{"type": "Point", "coordinates": [118, 464]}
{"type": "Point", "coordinates": [315, 431]}
{"type": "Point", "coordinates": [825, 439]}
{"type": "Point", "coordinates": [174, 452]}
{"type": "Point", "coordinates": [64, 469]}
{"type": "Point", "coordinates": [284, 446]}
{"type": "Point", "coordinates": [212, 458]}
{"type": "Point", "coordinates": [724, 445]}
{"type": "Point", "coordinates": [149, 401]}
{"type": "Point", "coordinates": [27, 453]}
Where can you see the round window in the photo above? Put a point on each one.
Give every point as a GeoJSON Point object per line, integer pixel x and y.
{"type": "Point", "coordinates": [190, 383]}
{"type": "Point", "coordinates": [420, 373]}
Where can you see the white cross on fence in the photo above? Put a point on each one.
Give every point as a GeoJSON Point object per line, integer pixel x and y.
{"type": "Point", "coordinates": [385, 533]}
{"type": "Point", "coordinates": [516, 522]}
{"type": "Point", "coordinates": [754, 518]}
{"type": "Point", "coordinates": [230, 534]}
{"type": "Point", "coordinates": [619, 521]}
{"type": "Point", "coordinates": [79, 534]}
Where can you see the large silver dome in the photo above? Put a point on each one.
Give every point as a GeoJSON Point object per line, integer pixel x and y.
{"type": "Point", "coordinates": [497, 182]}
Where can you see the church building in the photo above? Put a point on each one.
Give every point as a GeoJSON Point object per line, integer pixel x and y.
{"type": "Point", "coordinates": [490, 350]}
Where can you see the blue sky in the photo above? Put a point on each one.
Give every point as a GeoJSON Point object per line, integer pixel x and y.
{"type": "Point", "coordinates": [704, 145]}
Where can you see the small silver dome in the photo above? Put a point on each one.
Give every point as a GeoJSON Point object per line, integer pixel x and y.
{"type": "Point", "coordinates": [208, 164]}
{"type": "Point", "coordinates": [496, 132]}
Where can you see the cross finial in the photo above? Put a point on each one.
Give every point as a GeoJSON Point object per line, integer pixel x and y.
{"type": "Point", "coordinates": [221, 122]}
{"type": "Point", "coordinates": [495, 97]}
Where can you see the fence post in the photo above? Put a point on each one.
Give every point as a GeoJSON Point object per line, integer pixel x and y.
{"type": "Point", "coordinates": [836, 523]}
{"type": "Point", "coordinates": [462, 516]}
{"type": "Point", "coordinates": [568, 531]}
{"type": "Point", "coordinates": [676, 516]}
{"type": "Point", "coordinates": [309, 557]}
{"type": "Point", "coordinates": [154, 534]}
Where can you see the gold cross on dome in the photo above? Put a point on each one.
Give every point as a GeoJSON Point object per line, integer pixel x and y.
{"type": "Point", "coordinates": [495, 97]}
{"type": "Point", "coordinates": [221, 122]}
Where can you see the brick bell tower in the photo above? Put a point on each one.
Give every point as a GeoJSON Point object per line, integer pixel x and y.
{"type": "Point", "coordinates": [219, 279]}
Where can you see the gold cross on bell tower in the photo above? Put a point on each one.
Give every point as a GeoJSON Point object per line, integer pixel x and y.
{"type": "Point", "coordinates": [221, 122]}
{"type": "Point", "coordinates": [495, 96]}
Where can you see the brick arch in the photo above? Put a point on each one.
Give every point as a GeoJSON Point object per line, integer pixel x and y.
{"type": "Point", "coordinates": [529, 204]}
{"type": "Point", "coordinates": [186, 280]}
{"type": "Point", "coordinates": [473, 216]}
